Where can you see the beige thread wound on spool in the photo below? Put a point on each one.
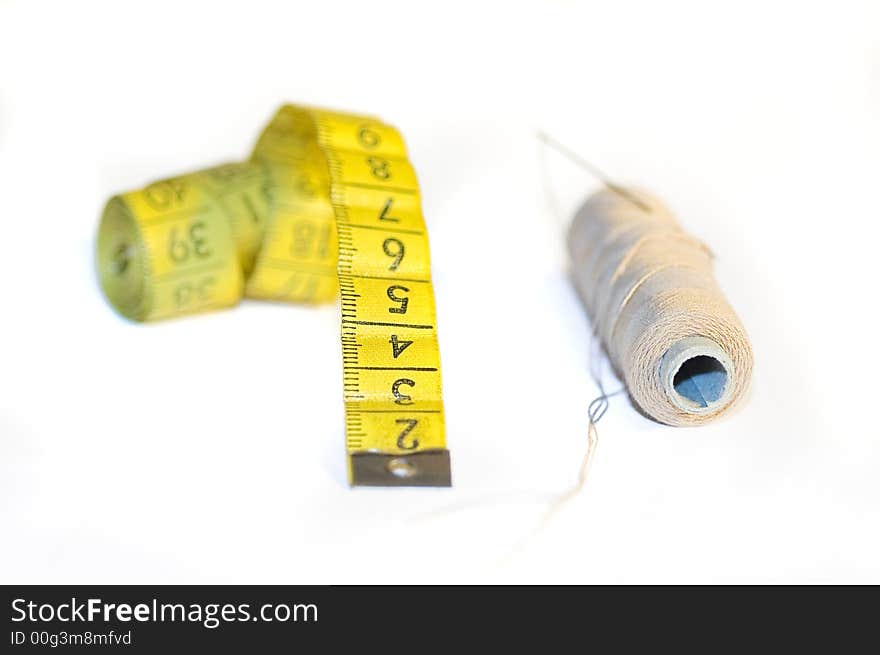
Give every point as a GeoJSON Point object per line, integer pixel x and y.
{"type": "Point", "coordinates": [650, 291]}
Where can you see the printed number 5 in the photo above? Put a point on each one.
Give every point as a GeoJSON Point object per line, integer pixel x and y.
{"type": "Point", "coordinates": [403, 300]}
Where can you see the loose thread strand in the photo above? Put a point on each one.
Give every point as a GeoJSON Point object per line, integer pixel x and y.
{"type": "Point", "coordinates": [599, 405]}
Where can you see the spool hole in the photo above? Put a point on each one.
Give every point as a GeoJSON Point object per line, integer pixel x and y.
{"type": "Point", "coordinates": [701, 380]}
{"type": "Point", "coordinates": [121, 259]}
{"type": "Point", "coordinates": [400, 468]}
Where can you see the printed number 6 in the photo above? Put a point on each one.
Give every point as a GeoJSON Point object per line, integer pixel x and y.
{"type": "Point", "coordinates": [394, 248]}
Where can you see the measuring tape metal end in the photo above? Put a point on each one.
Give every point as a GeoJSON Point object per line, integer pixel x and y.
{"type": "Point", "coordinates": [429, 468]}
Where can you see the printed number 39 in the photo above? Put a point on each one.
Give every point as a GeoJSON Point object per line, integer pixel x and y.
{"type": "Point", "coordinates": [180, 249]}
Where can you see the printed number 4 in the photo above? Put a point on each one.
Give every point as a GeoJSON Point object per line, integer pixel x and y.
{"type": "Point", "coordinates": [398, 345]}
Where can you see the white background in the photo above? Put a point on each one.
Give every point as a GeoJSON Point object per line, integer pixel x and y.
{"type": "Point", "coordinates": [210, 449]}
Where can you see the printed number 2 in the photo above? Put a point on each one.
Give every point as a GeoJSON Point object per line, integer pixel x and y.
{"type": "Point", "coordinates": [401, 438]}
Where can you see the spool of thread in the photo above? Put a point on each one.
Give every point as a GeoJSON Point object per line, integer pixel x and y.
{"type": "Point", "coordinates": [649, 289]}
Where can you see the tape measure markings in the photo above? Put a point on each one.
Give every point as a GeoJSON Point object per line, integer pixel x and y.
{"type": "Point", "coordinates": [366, 180]}
{"type": "Point", "coordinates": [328, 204]}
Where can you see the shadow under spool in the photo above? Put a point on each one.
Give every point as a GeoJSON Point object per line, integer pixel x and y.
{"type": "Point", "coordinates": [654, 302]}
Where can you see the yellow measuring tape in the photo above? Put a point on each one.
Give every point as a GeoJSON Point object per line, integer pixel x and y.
{"type": "Point", "coordinates": [328, 205]}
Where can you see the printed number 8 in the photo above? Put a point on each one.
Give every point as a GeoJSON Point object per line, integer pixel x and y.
{"type": "Point", "coordinates": [379, 168]}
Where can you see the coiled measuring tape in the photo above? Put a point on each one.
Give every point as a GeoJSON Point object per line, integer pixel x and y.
{"type": "Point", "coordinates": [327, 205]}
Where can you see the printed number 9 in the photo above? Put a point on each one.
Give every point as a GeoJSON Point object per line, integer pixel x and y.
{"type": "Point", "coordinates": [368, 138]}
